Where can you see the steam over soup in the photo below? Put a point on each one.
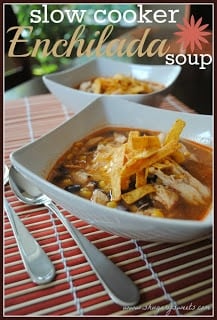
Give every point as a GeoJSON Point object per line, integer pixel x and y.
{"type": "Point", "coordinates": [141, 171]}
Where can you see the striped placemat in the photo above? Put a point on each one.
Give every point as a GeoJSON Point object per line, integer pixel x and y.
{"type": "Point", "coordinates": [173, 279]}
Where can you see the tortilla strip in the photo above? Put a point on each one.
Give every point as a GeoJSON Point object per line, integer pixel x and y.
{"type": "Point", "coordinates": [118, 160]}
{"type": "Point", "coordinates": [140, 162]}
{"type": "Point", "coordinates": [175, 131]}
{"type": "Point", "coordinates": [121, 84]}
{"type": "Point", "coordinates": [145, 142]}
{"type": "Point", "coordinates": [97, 86]}
{"type": "Point", "coordinates": [136, 194]}
{"type": "Point", "coordinates": [129, 145]}
{"type": "Point", "coordinates": [141, 178]}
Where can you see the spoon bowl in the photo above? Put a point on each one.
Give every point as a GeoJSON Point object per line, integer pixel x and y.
{"type": "Point", "coordinates": [20, 185]}
{"type": "Point", "coordinates": [119, 287]}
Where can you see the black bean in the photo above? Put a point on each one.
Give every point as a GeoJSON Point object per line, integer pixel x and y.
{"type": "Point", "coordinates": [92, 149]}
{"type": "Point", "coordinates": [63, 170]}
{"type": "Point", "coordinates": [57, 179]}
{"type": "Point", "coordinates": [73, 188]}
{"type": "Point", "coordinates": [151, 178]}
{"type": "Point", "coordinates": [144, 202]}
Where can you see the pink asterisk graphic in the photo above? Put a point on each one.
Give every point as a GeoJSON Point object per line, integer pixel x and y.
{"type": "Point", "coordinates": [192, 33]}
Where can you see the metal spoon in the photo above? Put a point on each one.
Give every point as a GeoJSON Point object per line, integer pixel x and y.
{"type": "Point", "coordinates": [119, 287]}
{"type": "Point", "coordinates": [35, 260]}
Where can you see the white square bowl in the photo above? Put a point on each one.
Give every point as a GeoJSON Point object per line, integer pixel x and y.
{"type": "Point", "coordinates": [37, 158]}
{"type": "Point", "coordinates": [63, 84]}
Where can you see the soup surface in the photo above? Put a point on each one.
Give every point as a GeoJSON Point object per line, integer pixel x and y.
{"type": "Point", "coordinates": [141, 171]}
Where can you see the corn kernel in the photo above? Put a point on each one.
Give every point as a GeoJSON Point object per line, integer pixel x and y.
{"type": "Point", "coordinates": [82, 157]}
{"type": "Point", "coordinates": [102, 184]}
{"type": "Point", "coordinates": [85, 193]}
{"type": "Point", "coordinates": [65, 182]}
{"type": "Point", "coordinates": [111, 204]}
{"type": "Point", "coordinates": [157, 213]}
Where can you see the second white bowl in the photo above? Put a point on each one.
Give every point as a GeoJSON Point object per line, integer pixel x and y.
{"type": "Point", "coordinates": [63, 84]}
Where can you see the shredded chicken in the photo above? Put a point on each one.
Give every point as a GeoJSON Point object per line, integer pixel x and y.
{"type": "Point", "coordinates": [85, 86]}
{"type": "Point", "coordinates": [166, 196]}
{"type": "Point", "coordinates": [80, 177]}
{"type": "Point", "coordinates": [119, 138]}
{"type": "Point", "coordinates": [191, 189]}
{"type": "Point", "coordinates": [99, 197]}
{"type": "Point", "coordinates": [93, 142]}
{"type": "Point", "coordinates": [188, 178]}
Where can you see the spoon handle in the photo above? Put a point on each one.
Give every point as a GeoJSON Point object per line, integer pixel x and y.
{"type": "Point", "coordinates": [35, 260]}
{"type": "Point", "coordinates": [119, 287]}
